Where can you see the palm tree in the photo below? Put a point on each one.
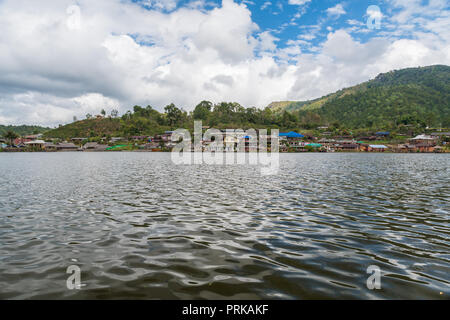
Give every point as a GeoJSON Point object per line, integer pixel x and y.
{"type": "Point", "coordinates": [10, 135]}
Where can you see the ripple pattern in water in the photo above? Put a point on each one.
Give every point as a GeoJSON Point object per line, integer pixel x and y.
{"type": "Point", "coordinates": [140, 227]}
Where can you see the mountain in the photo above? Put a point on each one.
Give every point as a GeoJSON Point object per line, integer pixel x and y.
{"type": "Point", "coordinates": [415, 98]}
{"type": "Point", "coordinates": [407, 96]}
{"type": "Point", "coordinates": [23, 129]}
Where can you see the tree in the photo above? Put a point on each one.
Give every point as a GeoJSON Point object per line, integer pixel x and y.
{"type": "Point", "coordinates": [202, 110]}
{"type": "Point", "coordinates": [10, 136]}
{"type": "Point", "coordinates": [114, 113]}
{"type": "Point", "coordinates": [173, 114]}
{"type": "Point", "coordinates": [75, 119]}
{"type": "Point", "coordinates": [287, 120]}
{"type": "Point", "coordinates": [127, 115]}
{"type": "Point", "coordinates": [103, 112]}
{"type": "Point", "coordinates": [88, 116]}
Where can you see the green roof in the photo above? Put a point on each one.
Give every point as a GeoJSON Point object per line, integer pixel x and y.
{"type": "Point", "coordinates": [314, 145]}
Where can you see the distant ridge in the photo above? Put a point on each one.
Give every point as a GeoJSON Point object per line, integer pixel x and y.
{"type": "Point", "coordinates": [411, 94]}
{"type": "Point", "coordinates": [22, 129]}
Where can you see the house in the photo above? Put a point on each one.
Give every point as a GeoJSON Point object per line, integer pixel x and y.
{"type": "Point", "coordinates": [66, 146]}
{"type": "Point", "coordinates": [116, 139]}
{"type": "Point", "coordinates": [377, 148]}
{"type": "Point", "coordinates": [440, 135]}
{"type": "Point", "coordinates": [292, 138]}
{"type": "Point", "coordinates": [230, 143]}
{"type": "Point", "coordinates": [348, 147]}
{"type": "Point", "coordinates": [369, 138]}
{"type": "Point", "coordinates": [382, 134]}
{"type": "Point", "coordinates": [36, 144]}
{"type": "Point", "coordinates": [313, 145]}
{"type": "Point", "coordinates": [401, 148]}
{"type": "Point", "coordinates": [408, 147]}
{"type": "Point", "coordinates": [49, 146]}
{"type": "Point", "coordinates": [33, 136]}
{"type": "Point", "coordinates": [78, 140]}
{"type": "Point", "coordinates": [291, 135]}
{"type": "Point", "coordinates": [21, 141]}
{"type": "Point", "coordinates": [137, 138]}
{"type": "Point", "coordinates": [438, 149]}
{"type": "Point", "coordinates": [425, 147]}
{"type": "Point", "coordinates": [151, 146]}
{"type": "Point", "coordinates": [422, 138]}
{"type": "Point", "coordinates": [94, 146]}
{"type": "Point", "coordinates": [167, 136]}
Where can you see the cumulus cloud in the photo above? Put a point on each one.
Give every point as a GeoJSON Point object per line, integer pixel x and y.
{"type": "Point", "coordinates": [56, 63]}
{"type": "Point", "coordinates": [298, 2]}
{"type": "Point", "coordinates": [266, 5]}
{"type": "Point", "coordinates": [336, 11]}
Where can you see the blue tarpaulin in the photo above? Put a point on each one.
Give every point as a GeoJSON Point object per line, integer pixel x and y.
{"type": "Point", "coordinates": [291, 134]}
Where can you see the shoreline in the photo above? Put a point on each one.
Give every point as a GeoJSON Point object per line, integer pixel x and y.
{"type": "Point", "coordinates": [149, 151]}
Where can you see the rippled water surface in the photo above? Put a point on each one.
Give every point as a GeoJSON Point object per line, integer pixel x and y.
{"type": "Point", "coordinates": [140, 227]}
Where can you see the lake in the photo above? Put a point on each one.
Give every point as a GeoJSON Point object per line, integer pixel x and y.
{"type": "Point", "coordinates": [140, 227]}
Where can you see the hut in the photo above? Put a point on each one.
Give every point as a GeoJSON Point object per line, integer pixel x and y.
{"type": "Point", "coordinates": [377, 148]}
{"type": "Point", "coordinates": [67, 146]}
{"type": "Point", "coordinates": [36, 144]}
{"type": "Point", "coordinates": [348, 147]}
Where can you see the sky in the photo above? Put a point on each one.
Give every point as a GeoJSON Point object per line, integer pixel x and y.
{"type": "Point", "coordinates": [66, 58]}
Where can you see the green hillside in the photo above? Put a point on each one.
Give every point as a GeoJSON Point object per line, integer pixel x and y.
{"type": "Point", "coordinates": [22, 130]}
{"type": "Point", "coordinates": [140, 121]}
{"type": "Point", "coordinates": [408, 96]}
{"type": "Point", "coordinates": [412, 98]}
{"type": "Point", "coordinates": [86, 128]}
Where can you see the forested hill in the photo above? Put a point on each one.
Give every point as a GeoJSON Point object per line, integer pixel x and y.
{"type": "Point", "coordinates": [407, 96]}
{"type": "Point", "coordinates": [416, 97]}
{"type": "Point", "coordinates": [22, 129]}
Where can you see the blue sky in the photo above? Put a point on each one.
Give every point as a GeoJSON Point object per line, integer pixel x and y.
{"type": "Point", "coordinates": [291, 19]}
{"type": "Point", "coordinates": [67, 58]}
{"type": "Point", "coordinates": [288, 21]}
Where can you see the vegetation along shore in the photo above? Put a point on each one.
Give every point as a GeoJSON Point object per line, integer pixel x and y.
{"type": "Point", "coordinates": [406, 110]}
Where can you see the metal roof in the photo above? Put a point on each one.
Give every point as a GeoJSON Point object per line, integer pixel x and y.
{"type": "Point", "coordinates": [291, 134]}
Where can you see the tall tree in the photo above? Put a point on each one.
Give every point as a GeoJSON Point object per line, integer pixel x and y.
{"type": "Point", "coordinates": [173, 114]}
{"type": "Point", "coordinates": [203, 110]}
{"type": "Point", "coordinates": [10, 136]}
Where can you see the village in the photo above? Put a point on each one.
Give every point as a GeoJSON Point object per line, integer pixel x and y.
{"type": "Point", "coordinates": [435, 142]}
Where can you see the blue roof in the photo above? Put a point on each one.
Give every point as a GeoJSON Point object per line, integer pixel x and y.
{"type": "Point", "coordinates": [382, 133]}
{"type": "Point", "coordinates": [291, 134]}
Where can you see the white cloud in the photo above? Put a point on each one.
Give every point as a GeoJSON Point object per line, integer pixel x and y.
{"type": "Point", "coordinates": [159, 4]}
{"type": "Point", "coordinates": [336, 11]}
{"type": "Point", "coordinates": [298, 2]}
{"type": "Point", "coordinates": [123, 54]}
{"type": "Point", "coordinates": [354, 22]}
{"type": "Point", "coordinates": [266, 5]}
